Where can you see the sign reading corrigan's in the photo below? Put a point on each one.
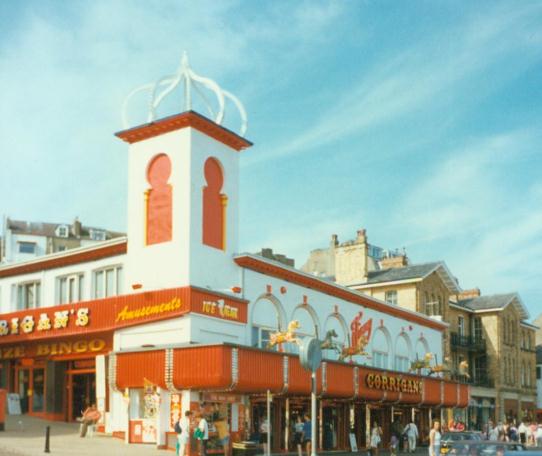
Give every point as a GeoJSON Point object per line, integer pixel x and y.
{"type": "Point", "coordinates": [395, 383]}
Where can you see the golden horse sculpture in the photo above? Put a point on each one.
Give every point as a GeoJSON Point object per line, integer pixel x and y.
{"type": "Point", "coordinates": [420, 364]}
{"type": "Point", "coordinates": [441, 368]}
{"type": "Point", "coordinates": [358, 349]}
{"type": "Point", "coordinates": [463, 369]}
{"type": "Point", "coordinates": [282, 337]}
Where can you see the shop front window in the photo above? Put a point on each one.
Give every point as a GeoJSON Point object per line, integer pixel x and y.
{"type": "Point", "coordinates": [38, 392]}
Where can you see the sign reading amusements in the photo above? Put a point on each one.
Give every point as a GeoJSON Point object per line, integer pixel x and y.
{"type": "Point", "coordinates": [108, 314]}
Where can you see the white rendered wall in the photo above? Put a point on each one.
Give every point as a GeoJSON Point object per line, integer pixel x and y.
{"type": "Point", "coordinates": [12, 253]}
{"type": "Point", "coordinates": [211, 267]}
{"type": "Point", "coordinates": [184, 260]}
{"type": "Point", "coordinates": [48, 278]}
{"type": "Point", "coordinates": [174, 331]}
{"type": "Point", "coordinates": [163, 265]}
{"type": "Point", "coordinates": [209, 330]}
{"type": "Point", "coordinates": [254, 286]}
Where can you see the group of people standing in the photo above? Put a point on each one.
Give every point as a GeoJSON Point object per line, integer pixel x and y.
{"type": "Point", "coordinates": [407, 434]}
{"type": "Point", "coordinates": [183, 428]}
{"type": "Point", "coordinates": [527, 433]}
{"type": "Point", "coordinates": [303, 434]}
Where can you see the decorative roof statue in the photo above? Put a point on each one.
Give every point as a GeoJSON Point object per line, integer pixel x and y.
{"type": "Point", "coordinates": [191, 82]}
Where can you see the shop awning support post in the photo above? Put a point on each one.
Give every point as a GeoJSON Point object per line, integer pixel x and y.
{"type": "Point", "coordinates": [310, 357]}
{"type": "Point", "coordinates": [313, 413]}
{"type": "Point", "coordinates": [268, 446]}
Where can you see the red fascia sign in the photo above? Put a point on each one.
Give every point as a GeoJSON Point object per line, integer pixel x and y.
{"type": "Point", "coordinates": [108, 314]}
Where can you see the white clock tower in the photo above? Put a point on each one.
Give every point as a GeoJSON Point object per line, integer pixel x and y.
{"type": "Point", "coordinates": [183, 185]}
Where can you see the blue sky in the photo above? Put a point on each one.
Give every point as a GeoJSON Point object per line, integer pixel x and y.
{"type": "Point", "coordinates": [420, 121]}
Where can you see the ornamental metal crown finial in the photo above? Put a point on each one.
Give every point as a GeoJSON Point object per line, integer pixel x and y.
{"type": "Point", "coordinates": [191, 81]}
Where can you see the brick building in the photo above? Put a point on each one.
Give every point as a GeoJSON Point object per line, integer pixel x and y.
{"type": "Point", "coordinates": [491, 333]}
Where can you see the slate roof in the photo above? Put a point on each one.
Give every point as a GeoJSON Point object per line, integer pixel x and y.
{"type": "Point", "coordinates": [487, 302]}
{"type": "Point", "coordinates": [497, 301]}
{"type": "Point", "coordinates": [49, 229]}
{"type": "Point", "coordinates": [407, 272]}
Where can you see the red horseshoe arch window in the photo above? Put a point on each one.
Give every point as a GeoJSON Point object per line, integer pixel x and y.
{"type": "Point", "coordinates": [214, 206]}
{"type": "Point", "coordinates": [159, 207]}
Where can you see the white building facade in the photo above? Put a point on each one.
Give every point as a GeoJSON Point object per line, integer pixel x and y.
{"type": "Point", "coordinates": [174, 318]}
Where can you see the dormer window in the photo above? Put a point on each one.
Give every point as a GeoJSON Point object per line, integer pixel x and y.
{"type": "Point", "coordinates": [97, 235]}
{"type": "Point", "coordinates": [62, 231]}
{"type": "Point", "coordinates": [27, 247]}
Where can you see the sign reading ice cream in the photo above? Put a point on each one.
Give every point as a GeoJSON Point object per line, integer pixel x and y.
{"type": "Point", "coordinates": [219, 308]}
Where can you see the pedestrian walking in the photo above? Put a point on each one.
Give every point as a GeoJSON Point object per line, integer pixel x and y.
{"type": "Point", "coordinates": [394, 443]}
{"type": "Point", "coordinates": [411, 431]}
{"type": "Point", "coordinates": [538, 436]}
{"type": "Point", "coordinates": [533, 427]}
{"type": "Point", "coordinates": [182, 428]}
{"type": "Point", "coordinates": [307, 434]}
{"type": "Point", "coordinates": [434, 440]}
{"type": "Point", "coordinates": [376, 438]}
{"type": "Point", "coordinates": [522, 430]}
{"type": "Point", "coordinates": [298, 435]}
{"type": "Point", "coordinates": [202, 434]}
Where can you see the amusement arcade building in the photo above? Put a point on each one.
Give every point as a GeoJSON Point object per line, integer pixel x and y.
{"type": "Point", "coordinates": [175, 318]}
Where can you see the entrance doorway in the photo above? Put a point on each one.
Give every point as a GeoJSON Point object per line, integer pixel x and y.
{"type": "Point", "coordinates": [82, 392]}
{"type": "Point", "coordinates": [31, 389]}
{"type": "Point", "coordinates": [23, 388]}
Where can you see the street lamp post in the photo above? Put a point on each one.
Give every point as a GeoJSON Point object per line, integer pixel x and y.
{"type": "Point", "coordinates": [310, 356]}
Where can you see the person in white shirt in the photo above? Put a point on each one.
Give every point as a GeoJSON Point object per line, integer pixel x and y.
{"type": "Point", "coordinates": [493, 434]}
{"type": "Point", "coordinates": [538, 436]}
{"type": "Point", "coordinates": [203, 426]}
{"type": "Point", "coordinates": [411, 431]}
{"type": "Point", "coordinates": [184, 437]}
{"type": "Point", "coordinates": [522, 431]}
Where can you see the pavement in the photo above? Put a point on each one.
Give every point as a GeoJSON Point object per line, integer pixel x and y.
{"type": "Point", "coordinates": [25, 436]}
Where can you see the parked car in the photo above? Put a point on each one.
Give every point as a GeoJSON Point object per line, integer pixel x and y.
{"type": "Point", "coordinates": [461, 435]}
{"type": "Point", "coordinates": [479, 447]}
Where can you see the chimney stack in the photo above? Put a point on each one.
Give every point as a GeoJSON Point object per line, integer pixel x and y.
{"type": "Point", "coordinates": [362, 236]}
{"type": "Point", "coordinates": [469, 294]}
{"type": "Point", "coordinates": [392, 262]}
{"type": "Point", "coordinates": [76, 227]}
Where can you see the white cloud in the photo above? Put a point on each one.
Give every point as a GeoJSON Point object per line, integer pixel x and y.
{"type": "Point", "coordinates": [419, 78]}
{"type": "Point", "coordinates": [470, 213]}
